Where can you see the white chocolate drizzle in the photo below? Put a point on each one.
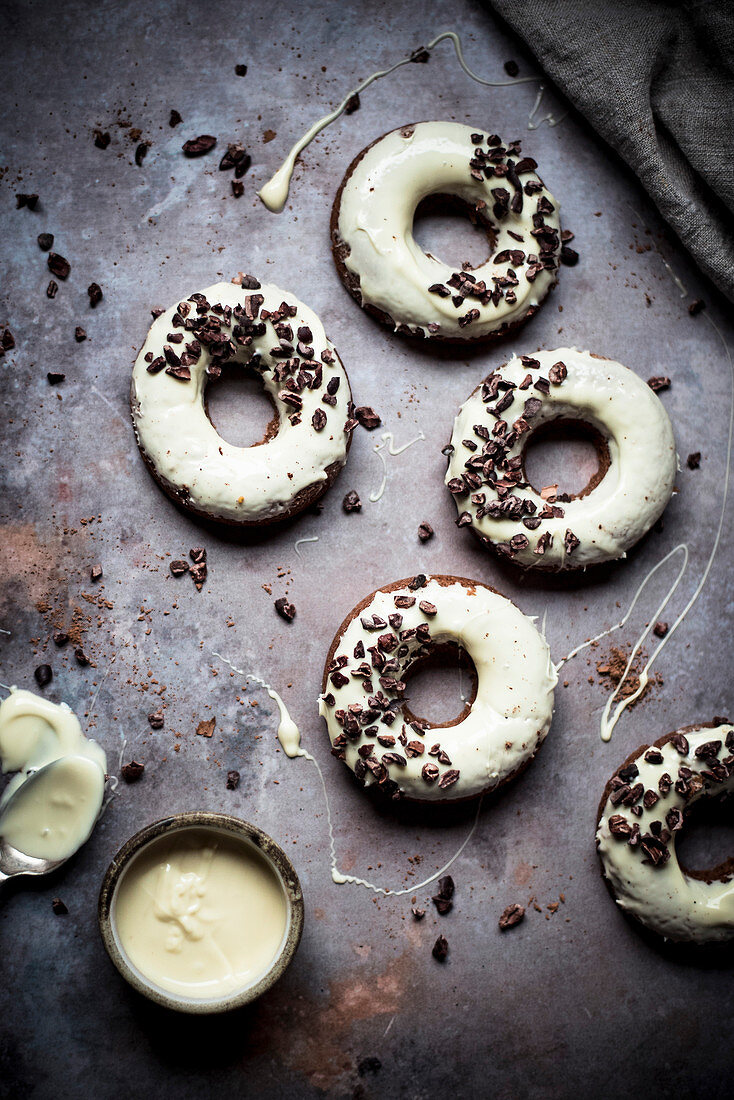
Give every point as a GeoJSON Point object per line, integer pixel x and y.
{"type": "Point", "coordinates": [610, 718]}
{"type": "Point", "coordinates": [387, 446]}
{"type": "Point", "coordinates": [550, 120]}
{"type": "Point", "coordinates": [308, 538]}
{"type": "Point", "coordinates": [274, 193]}
{"type": "Point", "coordinates": [290, 740]}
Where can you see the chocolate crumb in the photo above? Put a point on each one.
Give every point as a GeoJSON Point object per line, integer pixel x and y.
{"type": "Point", "coordinates": [353, 104]}
{"type": "Point", "coordinates": [132, 772]}
{"type": "Point", "coordinates": [95, 572]}
{"type": "Point", "coordinates": [45, 241]}
{"type": "Point", "coordinates": [351, 502]}
{"type": "Point", "coordinates": [80, 334]}
{"type": "Point", "coordinates": [238, 188]}
{"type": "Point", "coordinates": [420, 56]}
{"type": "Point", "coordinates": [141, 152]}
{"type": "Point", "coordinates": [369, 1065]}
{"type": "Point", "coordinates": [94, 290]}
{"type": "Point", "coordinates": [658, 383]}
{"type": "Point", "coordinates": [81, 657]}
{"type": "Point", "coordinates": [233, 780]}
{"type": "Point", "coordinates": [696, 306]}
{"type": "Point", "coordinates": [179, 567]}
{"type": "Point", "coordinates": [694, 460]}
{"type": "Point", "coordinates": [156, 719]}
{"type": "Point", "coordinates": [367, 417]}
{"type": "Point", "coordinates": [440, 949]}
{"type": "Point", "coordinates": [285, 609]}
{"type": "Point", "coordinates": [55, 377]}
{"type": "Point", "coordinates": [511, 68]}
{"type": "Point", "coordinates": [240, 70]}
{"type": "Point", "coordinates": [52, 289]}
{"type": "Point", "coordinates": [197, 147]}
{"type": "Point", "coordinates": [419, 914]}
{"type": "Point", "coordinates": [174, 118]}
{"type": "Point", "coordinates": [425, 531]}
{"type": "Point", "coordinates": [206, 727]}
{"type": "Point", "coordinates": [43, 675]}
{"type": "Point", "coordinates": [102, 138]}
{"type": "Point", "coordinates": [512, 915]}
{"type": "Point", "coordinates": [569, 256]}
{"type": "Point", "coordinates": [60, 638]}
{"type": "Point", "coordinates": [29, 201]}
{"type": "Point", "coordinates": [58, 266]}
{"type": "Point", "coordinates": [660, 629]}
{"type": "Point", "coordinates": [60, 910]}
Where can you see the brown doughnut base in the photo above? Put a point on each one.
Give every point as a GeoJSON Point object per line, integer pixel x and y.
{"type": "Point", "coordinates": [445, 580]}
{"type": "Point", "coordinates": [571, 425]}
{"type": "Point", "coordinates": [302, 500]}
{"type": "Point", "coordinates": [713, 874]}
{"type": "Point", "coordinates": [439, 203]}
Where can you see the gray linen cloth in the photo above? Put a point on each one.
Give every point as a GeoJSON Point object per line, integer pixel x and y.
{"type": "Point", "coordinates": [656, 81]}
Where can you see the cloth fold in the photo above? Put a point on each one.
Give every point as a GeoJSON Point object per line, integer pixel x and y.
{"type": "Point", "coordinates": [656, 81]}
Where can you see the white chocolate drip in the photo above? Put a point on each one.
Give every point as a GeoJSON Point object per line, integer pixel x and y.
{"type": "Point", "coordinates": [309, 538]}
{"type": "Point", "coordinates": [550, 120]}
{"type": "Point", "coordinates": [388, 446]}
{"type": "Point", "coordinates": [274, 193]}
{"type": "Point", "coordinates": [290, 740]}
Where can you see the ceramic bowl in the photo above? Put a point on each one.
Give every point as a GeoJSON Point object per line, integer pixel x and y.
{"type": "Point", "coordinates": [248, 834]}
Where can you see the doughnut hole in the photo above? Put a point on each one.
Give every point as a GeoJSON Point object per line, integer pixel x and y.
{"type": "Point", "coordinates": [239, 407]}
{"type": "Point", "coordinates": [568, 453]}
{"type": "Point", "coordinates": [705, 845]}
{"type": "Point", "coordinates": [448, 229]}
{"type": "Point", "coordinates": [440, 687]}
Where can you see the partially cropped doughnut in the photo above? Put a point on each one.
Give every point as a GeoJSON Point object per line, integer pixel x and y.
{"type": "Point", "coordinates": [364, 696]}
{"type": "Point", "coordinates": [635, 447]}
{"type": "Point", "coordinates": [446, 164]}
{"type": "Point", "coordinates": [305, 445]}
{"type": "Point", "coordinates": [643, 808]}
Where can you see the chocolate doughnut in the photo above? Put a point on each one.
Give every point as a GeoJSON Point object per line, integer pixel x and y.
{"type": "Point", "coordinates": [364, 702]}
{"type": "Point", "coordinates": [447, 164]}
{"type": "Point", "coordinates": [486, 464]}
{"type": "Point", "coordinates": [305, 445]}
{"type": "Point", "coordinates": [644, 806]}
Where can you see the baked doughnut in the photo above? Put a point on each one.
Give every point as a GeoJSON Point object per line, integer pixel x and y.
{"type": "Point", "coordinates": [445, 164]}
{"type": "Point", "coordinates": [486, 464]}
{"type": "Point", "coordinates": [364, 701]}
{"type": "Point", "coordinates": [305, 444]}
{"type": "Point", "coordinates": [643, 807]}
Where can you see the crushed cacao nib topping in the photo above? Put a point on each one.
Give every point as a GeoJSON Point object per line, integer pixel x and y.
{"type": "Point", "coordinates": [287, 611]}
{"type": "Point", "coordinates": [570, 542]}
{"type": "Point", "coordinates": [511, 916]}
{"type": "Point", "coordinates": [440, 949]}
{"type": "Point", "coordinates": [658, 383]}
{"type": "Point", "coordinates": [197, 147]}
{"type": "Point", "coordinates": [680, 743]}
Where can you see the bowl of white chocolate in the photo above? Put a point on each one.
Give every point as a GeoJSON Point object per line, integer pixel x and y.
{"type": "Point", "coordinates": [201, 912]}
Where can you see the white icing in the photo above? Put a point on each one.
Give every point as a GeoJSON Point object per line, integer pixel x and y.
{"type": "Point", "coordinates": [238, 484]}
{"type": "Point", "coordinates": [376, 212]}
{"type": "Point", "coordinates": [535, 123]}
{"type": "Point", "coordinates": [49, 808]}
{"type": "Point", "coordinates": [665, 898]}
{"type": "Point", "coordinates": [308, 538]}
{"type": "Point", "coordinates": [510, 715]}
{"type": "Point", "coordinates": [635, 489]}
{"type": "Point", "coordinates": [274, 193]}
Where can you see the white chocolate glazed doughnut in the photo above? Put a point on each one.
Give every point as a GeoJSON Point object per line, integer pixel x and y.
{"type": "Point", "coordinates": [305, 445]}
{"type": "Point", "coordinates": [643, 807]}
{"type": "Point", "coordinates": [363, 702]}
{"type": "Point", "coordinates": [638, 460]}
{"type": "Point", "coordinates": [390, 275]}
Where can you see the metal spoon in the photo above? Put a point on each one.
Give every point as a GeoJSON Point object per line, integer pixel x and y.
{"type": "Point", "coordinates": [14, 862]}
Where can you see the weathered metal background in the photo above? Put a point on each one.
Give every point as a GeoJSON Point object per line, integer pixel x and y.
{"type": "Point", "coordinates": [573, 1002]}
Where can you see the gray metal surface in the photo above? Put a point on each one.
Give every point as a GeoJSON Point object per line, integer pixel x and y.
{"type": "Point", "coordinates": [571, 1002]}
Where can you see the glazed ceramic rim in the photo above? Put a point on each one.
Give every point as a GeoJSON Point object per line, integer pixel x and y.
{"type": "Point", "coordinates": [234, 826]}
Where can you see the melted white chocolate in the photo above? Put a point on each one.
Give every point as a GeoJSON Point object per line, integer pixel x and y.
{"type": "Point", "coordinates": [664, 897]}
{"type": "Point", "coordinates": [375, 224]}
{"type": "Point", "coordinates": [507, 721]}
{"type": "Point", "coordinates": [49, 808]}
{"type": "Point", "coordinates": [200, 913]}
{"type": "Point", "coordinates": [240, 484]}
{"type": "Point", "coordinates": [632, 493]}
{"type": "Point", "coordinates": [274, 193]}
